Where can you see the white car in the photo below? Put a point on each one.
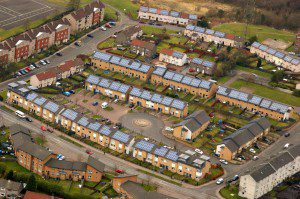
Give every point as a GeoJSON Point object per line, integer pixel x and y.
{"type": "Point", "coordinates": [104, 105]}
{"type": "Point", "coordinates": [223, 161]}
{"type": "Point", "coordinates": [146, 139]}
{"type": "Point", "coordinates": [116, 101]}
{"type": "Point", "coordinates": [220, 181]}
{"type": "Point", "coordinates": [252, 150]}
{"type": "Point", "coordinates": [42, 62]}
{"type": "Point", "coordinates": [103, 28]}
{"type": "Point", "coordinates": [286, 145]}
{"type": "Point", "coordinates": [199, 151]}
{"type": "Point", "coordinates": [169, 128]}
{"type": "Point", "coordinates": [255, 158]}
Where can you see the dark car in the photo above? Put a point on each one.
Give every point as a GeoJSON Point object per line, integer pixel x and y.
{"type": "Point", "coordinates": [287, 134]}
{"type": "Point", "coordinates": [256, 146]}
{"type": "Point", "coordinates": [131, 105]}
{"type": "Point", "coordinates": [95, 103]}
{"type": "Point", "coordinates": [89, 35]}
{"type": "Point", "coordinates": [77, 44]}
{"type": "Point", "coordinates": [58, 54]}
{"type": "Point", "coordinates": [28, 119]}
{"type": "Point", "coordinates": [72, 91]}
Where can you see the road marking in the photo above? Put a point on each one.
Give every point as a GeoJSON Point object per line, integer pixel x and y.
{"type": "Point", "coordinates": [10, 9]}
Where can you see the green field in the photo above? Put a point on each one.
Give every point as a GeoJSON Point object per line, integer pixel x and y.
{"type": "Point", "coordinates": [262, 32]}
{"type": "Point", "coordinates": [125, 6]}
{"type": "Point", "coordinates": [257, 72]}
{"type": "Point", "coordinates": [267, 92]}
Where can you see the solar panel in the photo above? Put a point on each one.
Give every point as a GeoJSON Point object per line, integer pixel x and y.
{"type": "Point", "coordinates": [32, 88]}
{"type": "Point", "coordinates": [172, 155]}
{"type": "Point", "coordinates": [279, 54]}
{"type": "Point", "coordinates": [234, 94]}
{"type": "Point", "coordinates": [135, 65]}
{"type": "Point", "coordinates": [263, 47]}
{"type": "Point", "coordinates": [115, 60]}
{"type": "Point", "coordinates": [124, 88]}
{"type": "Point", "coordinates": [197, 61]}
{"type": "Point", "coordinates": [255, 44]}
{"type": "Point", "coordinates": [83, 121]}
{"type": "Point", "coordinates": [255, 100]}
{"type": "Point", "coordinates": [144, 68]}
{"type": "Point", "coordinates": [153, 10]}
{"type": "Point", "coordinates": [208, 64]}
{"type": "Point", "coordinates": [186, 80]}
{"type": "Point", "coordinates": [265, 103]}
{"type": "Point", "coordinates": [205, 84]}
{"type": "Point", "coordinates": [178, 104]}
{"type": "Point", "coordinates": [31, 96]}
{"type": "Point", "coordinates": [193, 17]}
{"type": "Point", "coordinates": [279, 107]}
{"type": "Point", "coordinates": [136, 92]}
{"type": "Point", "coordinates": [105, 83]}
{"type": "Point", "coordinates": [94, 126]}
{"type": "Point", "coordinates": [120, 136]}
{"type": "Point", "coordinates": [143, 9]}
{"type": "Point", "coordinates": [105, 130]}
{"type": "Point", "coordinates": [23, 90]}
{"type": "Point", "coordinates": [51, 106]}
{"type": "Point", "coordinates": [102, 56]}
{"type": "Point", "coordinates": [13, 85]}
{"type": "Point", "coordinates": [146, 95]}
{"type": "Point", "coordinates": [169, 75]}
{"type": "Point", "coordinates": [156, 98]}
{"type": "Point", "coordinates": [167, 101]}
{"type": "Point", "coordinates": [178, 54]}
{"type": "Point", "coordinates": [199, 29]}
{"type": "Point", "coordinates": [271, 51]}
{"type": "Point", "coordinates": [161, 151]}
{"type": "Point", "coordinates": [174, 14]}
{"type": "Point", "coordinates": [93, 79]}
{"type": "Point", "coordinates": [295, 61]}
{"type": "Point", "coordinates": [220, 34]}
{"type": "Point", "coordinates": [40, 101]}
{"type": "Point", "coordinates": [287, 58]}
{"type": "Point", "coordinates": [115, 86]}
{"type": "Point", "coordinates": [190, 27]}
{"type": "Point", "coordinates": [21, 82]}
{"type": "Point", "coordinates": [70, 114]}
{"type": "Point", "coordinates": [177, 77]}
{"type": "Point", "coordinates": [222, 91]}
{"type": "Point", "coordinates": [124, 62]}
{"type": "Point", "coordinates": [243, 96]}
{"type": "Point", "coordinates": [144, 145]}
{"type": "Point", "coordinates": [195, 82]}
{"type": "Point", "coordinates": [159, 71]}
{"type": "Point", "coordinates": [164, 12]}
{"type": "Point", "coordinates": [209, 31]}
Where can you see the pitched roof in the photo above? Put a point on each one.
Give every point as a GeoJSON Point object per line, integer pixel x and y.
{"type": "Point", "coordinates": [4, 46]}
{"type": "Point", "coordinates": [87, 10]}
{"type": "Point", "coordinates": [128, 32]}
{"type": "Point", "coordinates": [99, 166]}
{"type": "Point", "coordinates": [45, 75]}
{"type": "Point", "coordinates": [195, 121]}
{"type": "Point", "coordinates": [262, 172]}
{"type": "Point", "coordinates": [54, 24]}
{"type": "Point", "coordinates": [143, 44]}
{"type": "Point", "coordinates": [13, 41]}
{"type": "Point", "coordinates": [281, 160]}
{"type": "Point", "coordinates": [34, 149]}
{"type": "Point", "coordinates": [35, 195]}
{"type": "Point", "coordinates": [64, 164]}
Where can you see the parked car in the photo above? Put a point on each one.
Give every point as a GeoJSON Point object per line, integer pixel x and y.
{"type": "Point", "coordinates": [104, 105]}
{"type": "Point", "coordinates": [89, 35]}
{"type": "Point", "coordinates": [116, 101]}
{"type": "Point", "coordinates": [252, 150]}
{"type": "Point", "coordinates": [47, 61]}
{"type": "Point", "coordinates": [43, 128]}
{"type": "Point", "coordinates": [103, 28]}
{"type": "Point", "coordinates": [223, 161]}
{"type": "Point", "coordinates": [146, 139]}
{"type": "Point", "coordinates": [77, 44]}
{"type": "Point", "coordinates": [59, 54]}
{"type": "Point", "coordinates": [88, 151]}
{"type": "Point", "coordinates": [235, 178]}
{"type": "Point", "coordinates": [286, 145]}
{"type": "Point", "coordinates": [95, 103]}
{"type": "Point", "coordinates": [255, 145]}
{"type": "Point", "coordinates": [66, 93]}
{"type": "Point", "coordinates": [42, 62]}
{"type": "Point", "coordinates": [22, 72]}
{"type": "Point", "coordinates": [255, 158]}
{"type": "Point", "coordinates": [242, 157]}
{"type": "Point", "coordinates": [112, 23]}
{"type": "Point", "coordinates": [60, 157]}
{"type": "Point", "coordinates": [107, 25]}
{"type": "Point", "coordinates": [27, 69]}
{"type": "Point", "coordinates": [286, 134]}
{"type": "Point", "coordinates": [220, 181]}
{"type": "Point", "coordinates": [169, 129]}
{"type": "Point", "coordinates": [199, 151]}
{"type": "Point", "coordinates": [72, 91]}
{"type": "Point", "coordinates": [28, 119]}
{"type": "Point", "coordinates": [32, 67]}
{"type": "Point", "coordinates": [119, 171]}
{"type": "Point", "coordinates": [35, 65]}
{"type": "Point", "coordinates": [131, 105]}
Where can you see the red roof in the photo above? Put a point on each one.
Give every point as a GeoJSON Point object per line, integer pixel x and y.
{"type": "Point", "coordinates": [184, 15]}
{"type": "Point", "coordinates": [35, 195]}
{"type": "Point", "coordinates": [66, 66]}
{"type": "Point", "coordinates": [45, 75]}
{"type": "Point", "coordinates": [230, 36]}
{"type": "Point", "coordinates": [166, 51]}
{"type": "Point", "coordinates": [144, 44]}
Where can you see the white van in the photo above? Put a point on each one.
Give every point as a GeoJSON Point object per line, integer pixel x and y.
{"type": "Point", "coordinates": [104, 105]}
{"type": "Point", "coordinates": [20, 114]}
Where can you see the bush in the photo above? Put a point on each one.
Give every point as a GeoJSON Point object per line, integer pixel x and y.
{"type": "Point", "coordinates": [296, 93]}
{"type": "Point", "coordinates": [2, 168]}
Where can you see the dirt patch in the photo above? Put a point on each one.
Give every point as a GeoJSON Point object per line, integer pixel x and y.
{"type": "Point", "coordinates": [278, 44]}
{"type": "Point", "coordinates": [246, 90]}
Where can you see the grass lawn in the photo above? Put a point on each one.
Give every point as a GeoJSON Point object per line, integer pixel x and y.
{"type": "Point", "coordinates": [125, 6]}
{"type": "Point", "coordinates": [40, 141]}
{"type": "Point", "coordinates": [230, 193]}
{"type": "Point", "coordinates": [257, 72]}
{"type": "Point", "coordinates": [110, 42]}
{"type": "Point", "coordinates": [267, 92]}
{"type": "Point", "coordinates": [149, 30]}
{"type": "Point", "coordinates": [110, 14]}
{"type": "Point", "coordinates": [16, 167]}
{"type": "Point", "coordinates": [3, 94]}
{"type": "Point", "coordinates": [262, 32]}
{"type": "Point", "coordinates": [223, 80]}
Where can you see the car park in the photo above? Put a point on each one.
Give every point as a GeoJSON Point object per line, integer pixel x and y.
{"type": "Point", "coordinates": [219, 181]}
{"type": "Point", "coordinates": [223, 161]}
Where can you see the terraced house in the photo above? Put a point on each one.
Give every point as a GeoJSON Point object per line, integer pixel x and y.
{"type": "Point", "coordinates": [254, 103]}
{"type": "Point", "coordinates": [166, 16]}
{"type": "Point", "coordinates": [172, 57]}
{"type": "Point", "coordinates": [107, 87]}
{"type": "Point", "coordinates": [203, 66]}
{"type": "Point", "coordinates": [39, 160]}
{"type": "Point", "coordinates": [86, 17]}
{"type": "Point", "coordinates": [160, 103]}
{"type": "Point", "coordinates": [277, 57]}
{"type": "Point", "coordinates": [208, 35]}
{"type": "Point", "coordinates": [188, 164]}
{"type": "Point", "coordinates": [127, 67]}
{"type": "Point", "coordinates": [144, 48]}
{"type": "Point", "coordinates": [174, 80]}
{"type": "Point", "coordinates": [243, 138]}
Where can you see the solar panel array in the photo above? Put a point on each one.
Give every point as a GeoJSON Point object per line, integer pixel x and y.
{"type": "Point", "coordinates": [70, 114]}
{"type": "Point", "coordinates": [31, 96]}
{"type": "Point", "coordinates": [13, 85]}
{"type": "Point", "coordinates": [160, 71]}
{"type": "Point", "coordinates": [172, 155]}
{"type": "Point", "coordinates": [178, 104]}
{"type": "Point", "coordinates": [220, 34]}
{"type": "Point", "coordinates": [105, 130]}
{"type": "Point", "coordinates": [102, 56]}
{"type": "Point", "coordinates": [23, 90]}
{"type": "Point", "coordinates": [51, 106]}
{"type": "Point", "coordinates": [164, 12]}
{"type": "Point", "coordinates": [190, 27]}
{"type": "Point", "coordinates": [93, 79]}
{"type": "Point", "coordinates": [120, 136]}
{"type": "Point", "coordinates": [40, 101]}
{"type": "Point", "coordinates": [200, 29]}
{"type": "Point", "coordinates": [144, 145]}
{"type": "Point", "coordinates": [83, 121]}
{"type": "Point", "coordinates": [174, 14]}
{"type": "Point", "coordinates": [178, 54]}
{"type": "Point", "coordinates": [153, 10]}
{"type": "Point", "coordinates": [193, 17]}
{"type": "Point", "coordinates": [144, 9]}
{"type": "Point", "coordinates": [208, 64]}
{"type": "Point", "coordinates": [21, 82]}
{"type": "Point", "coordinates": [162, 151]}
{"type": "Point", "coordinates": [209, 31]}
{"type": "Point", "coordinates": [253, 99]}
{"type": "Point", "coordinates": [94, 126]}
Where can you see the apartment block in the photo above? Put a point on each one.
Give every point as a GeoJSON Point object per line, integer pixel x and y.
{"type": "Point", "coordinates": [60, 31]}
{"type": "Point", "coordinates": [107, 87]}
{"type": "Point", "coordinates": [177, 81]}
{"type": "Point", "coordinates": [125, 66]}
{"type": "Point", "coordinates": [203, 66]}
{"type": "Point", "coordinates": [254, 103]}
{"type": "Point", "coordinates": [243, 138]}
{"type": "Point", "coordinates": [160, 103]}
{"type": "Point", "coordinates": [191, 126]}
{"type": "Point", "coordinates": [166, 16]}
{"type": "Point", "coordinates": [172, 57]}
{"type": "Point", "coordinates": [277, 57]}
{"type": "Point", "coordinates": [6, 54]}
{"type": "Point", "coordinates": [263, 179]}
{"type": "Point", "coordinates": [209, 35]}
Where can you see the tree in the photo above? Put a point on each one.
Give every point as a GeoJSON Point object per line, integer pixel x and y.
{"type": "Point", "coordinates": [296, 93]}
{"type": "Point", "coordinates": [252, 39]}
{"type": "Point", "coordinates": [31, 183]}
{"type": "Point", "coordinates": [2, 168]}
{"type": "Point", "coordinates": [10, 175]}
{"type": "Point", "coordinates": [228, 49]}
{"type": "Point", "coordinates": [203, 23]}
{"type": "Point", "coordinates": [74, 5]}
{"type": "Point", "coordinates": [277, 76]}
{"type": "Point", "coordinates": [258, 65]}
{"type": "Point", "coordinates": [220, 13]}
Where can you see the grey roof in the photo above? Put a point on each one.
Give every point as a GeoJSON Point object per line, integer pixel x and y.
{"type": "Point", "coordinates": [281, 160]}
{"type": "Point", "coordinates": [70, 114]}
{"type": "Point", "coordinates": [11, 185]}
{"type": "Point", "coordinates": [99, 166]}
{"type": "Point", "coordinates": [195, 121]}
{"type": "Point", "coordinates": [262, 172]}
{"type": "Point", "coordinates": [295, 151]}
{"type": "Point", "coordinates": [67, 165]}
{"type": "Point", "coordinates": [160, 71]}
{"type": "Point", "coordinates": [33, 149]}
{"type": "Point", "coordinates": [144, 145]}
{"type": "Point", "coordinates": [53, 107]}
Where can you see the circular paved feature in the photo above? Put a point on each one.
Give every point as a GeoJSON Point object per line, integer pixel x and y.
{"type": "Point", "coordinates": [142, 122]}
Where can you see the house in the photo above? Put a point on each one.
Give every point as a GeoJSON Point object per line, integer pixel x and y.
{"type": "Point", "coordinates": [191, 126]}
{"type": "Point", "coordinates": [144, 48]}
{"type": "Point", "coordinates": [6, 54]}
{"type": "Point", "coordinates": [180, 82]}
{"type": "Point", "coordinates": [86, 17]}
{"type": "Point", "coordinates": [108, 87]}
{"type": "Point", "coordinates": [172, 57]}
{"type": "Point", "coordinates": [43, 79]}
{"type": "Point", "coordinates": [277, 57]}
{"type": "Point", "coordinates": [203, 66]}
{"type": "Point", "coordinates": [160, 103]}
{"type": "Point", "coordinates": [36, 195]}
{"type": "Point", "coordinates": [50, 110]}
{"type": "Point", "coordinates": [10, 189]}
{"type": "Point", "coordinates": [121, 65]}
{"type": "Point", "coordinates": [61, 29]}
{"type": "Point", "coordinates": [121, 142]}
{"type": "Point", "coordinates": [243, 138]}
{"type": "Point", "coordinates": [166, 16]}
{"type": "Point", "coordinates": [209, 35]}
{"type": "Point", "coordinates": [42, 36]}
{"type": "Point", "coordinates": [254, 103]}
{"type": "Point", "coordinates": [263, 179]}
{"type": "Point", "coordinates": [126, 36]}
{"type": "Point", "coordinates": [117, 181]}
